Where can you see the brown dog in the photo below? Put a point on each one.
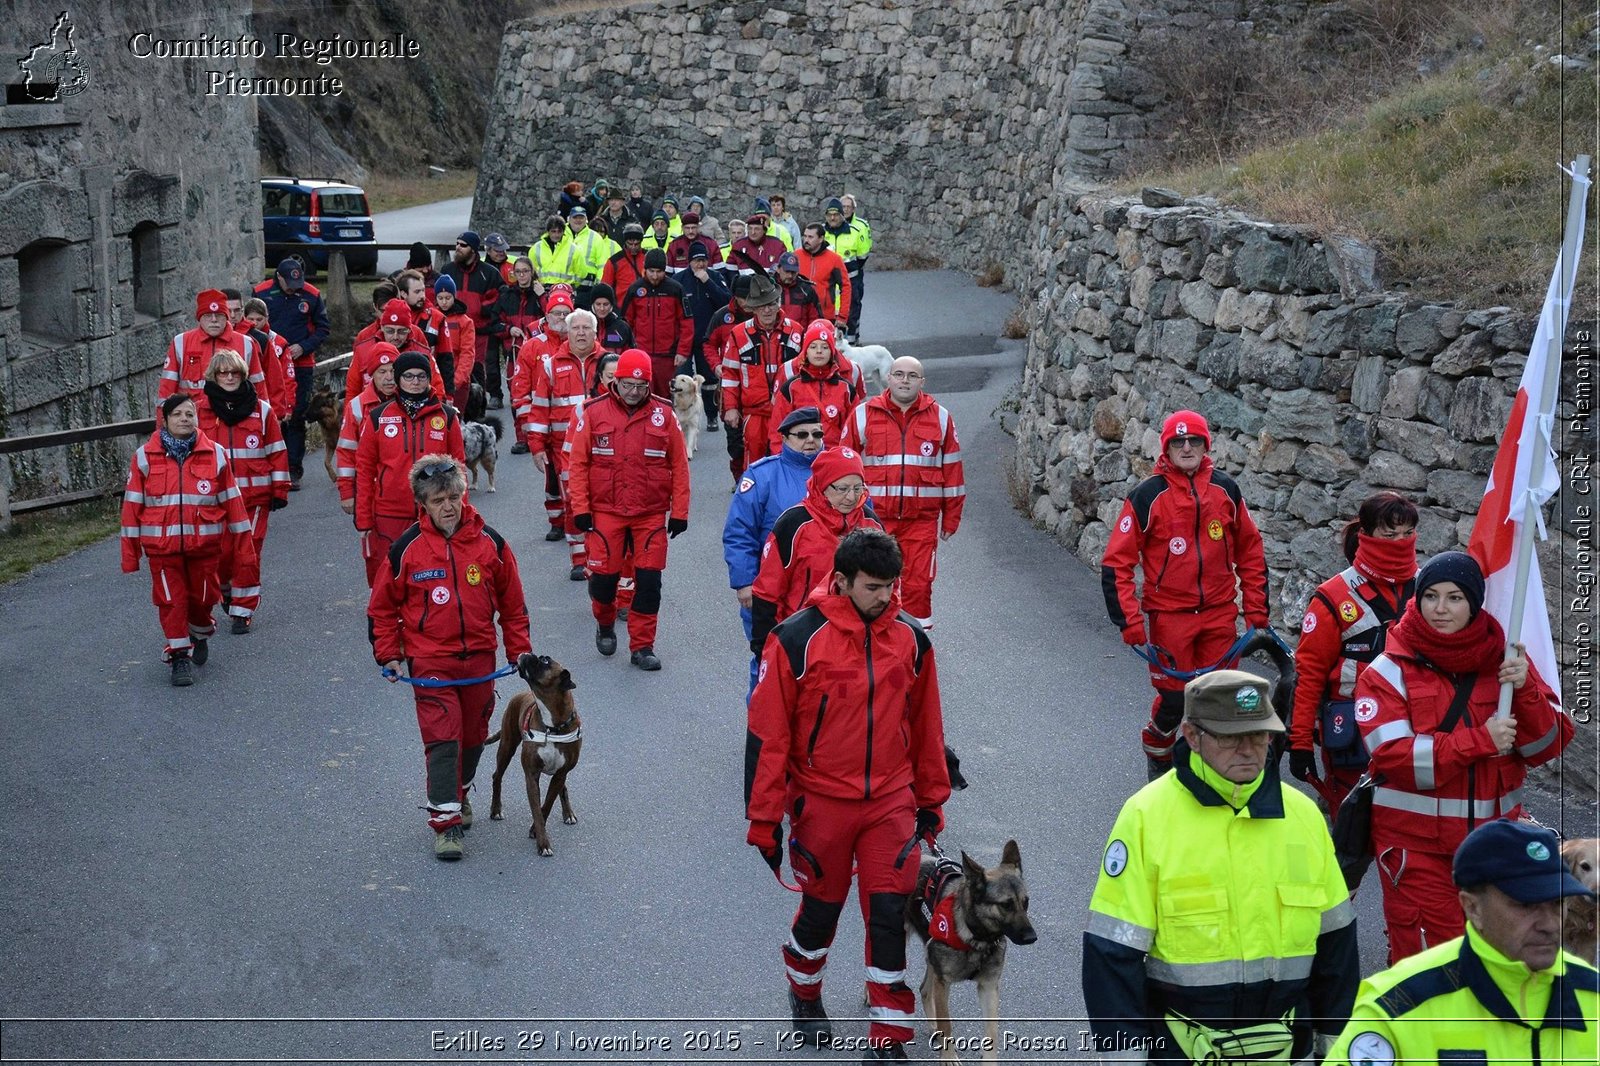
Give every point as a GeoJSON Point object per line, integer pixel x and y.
{"type": "Point", "coordinates": [1580, 919]}
{"type": "Point", "coordinates": [545, 723]}
{"type": "Point", "coordinates": [326, 411]}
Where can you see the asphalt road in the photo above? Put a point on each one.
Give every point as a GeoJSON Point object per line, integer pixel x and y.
{"type": "Point", "coordinates": [436, 224]}
{"type": "Point", "coordinates": [252, 848]}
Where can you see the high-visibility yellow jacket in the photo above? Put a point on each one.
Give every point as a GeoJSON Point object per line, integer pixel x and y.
{"type": "Point", "coordinates": [1464, 1001]}
{"type": "Point", "coordinates": [853, 242]}
{"type": "Point", "coordinates": [1220, 903]}
{"type": "Point", "coordinates": [550, 262]}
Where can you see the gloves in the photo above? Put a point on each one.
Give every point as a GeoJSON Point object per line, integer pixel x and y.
{"type": "Point", "coordinates": [929, 821]}
{"type": "Point", "coordinates": [767, 837]}
{"type": "Point", "coordinates": [584, 522]}
{"type": "Point", "coordinates": [277, 504]}
{"type": "Point", "coordinates": [676, 526]}
{"type": "Point", "coordinates": [1133, 634]}
{"type": "Point", "coordinates": [1302, 764]}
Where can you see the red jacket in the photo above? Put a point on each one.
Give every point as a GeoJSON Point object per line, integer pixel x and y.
{"type": "Point", "coordinates": [479, 290]}
{"type": "Point", "coordinates": [439, 596]}
{"type": "Point", "coordinates": [363, 361]}
{"type": "Point", "coordinates": [623, 271]}
{"type": "Point", "coordinates": [276, 366]}
{"type": "Point", "coordinates": [460, 336]}
{"type": "Point", "coordinates": [190, 354]}
{"type": "Point", "coordinates": [1437, 786]}
{"type": "Point", "coordinates": [798, 556]}
{"type": "Point", "coordinates": [428, 320]}
{"type": "Point", "coordinates": [560, 384]}
{"type": "Point", "coordinates": [1342, 632]}
{"type": "Point", "coordinates": [719, 331]}
{"type": "Point", "coordinates": [831, 278]}
{"type": "Point", "coordinates": [748, 256]}
{"type": "Point", "coordinates": [912, 459]}
{"type": "Point", "coordinates": [830, 388]}
{"type": "Point", "coordinates": [187, 508]}
{"type": "Point", "coordinates": [627, 462]}
{"type": "Point", "coordinates": [801, 302]}
{"type": "Point", "coordinates": [539, 344]}
{"type": "Point", "coordinates": [678, 251]}
{"type": "Point", "coordinates": [390, 442]}
{"type": "Point", "coordinates": [1194, 539]}
{"type": "Point", "coordinates": [256, 453]}
{"type": "Point", "coordinates": [656, 315]}
{"type": "Point", "coordinates": [752, 360]}
{"type": "Point", "coordinates": [344, 455]}
{"type": "Point", "coordinates": [844, 708]}
{"type": "Point", "coordinates": [521, 308]}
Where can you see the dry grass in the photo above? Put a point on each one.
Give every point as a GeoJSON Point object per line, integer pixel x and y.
{"type": "Point", "coordinates": [993, 276]}
{"type": "Point", "coordinates": [1016, 327]}
{"type": "Point", "coordinates": [391, 192]}
{"type": "Point", "coordinates": [36, 539]}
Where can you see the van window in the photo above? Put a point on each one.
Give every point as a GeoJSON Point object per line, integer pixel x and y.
{"type": "Point", "coordinates": [342, 203]}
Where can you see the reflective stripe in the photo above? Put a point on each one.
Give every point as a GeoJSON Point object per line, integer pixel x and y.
{"type": "Point", "coordinates": [1422, 761]}
{"type": "Point", "coordinates": [1228, 972]}
{"type": "Point", "coordinates": [603, 451]}
{"type": "Point", "coordinates": [900, 460]}
{"type": "Point", "coordinates": [1118, 931]}
{"type": "Point", "coordinates": [262, 481]}
{"type": "Point", "coordinates": [813, 955]}
{"type": "Point", "coordinates": [346, 443]}
{"type": "Point", "coordinates": [1347, 678]}
{"type": "Point", "coordinates": [538, 427]}
{"type": "Point", "coordinates": [1398, 730]}
{"type": "Point", "coordinates": [142, 460]}
{"type": "Point", "coordinates": [917, 493]}
{"type": "Point", "coordinates": [228, 494]}
{"type": "Point", "coordinates": [345, 471]}
{"type": "Point", "coordinates": [233, 527]}
{"type": "Point", "coordinates": [130, 531]}
{"type": "Point", "coordinates": [889, 1015]}
{"type": "Point", "coordinates": [952, 457]}
{"type": "Point", "coordinates": [247, 453]}
{"type": "Point", "coordinates": [176, 498]}
{"type": "Point", "coordinates": [861, 426]}
{"type": "Point", "coordinates": [281, 475]}
{"type": "Point", "coordinates": [1389, 670]}
{"type": "Point", "coordinates": [800, 978]}
{"type": "Point", "coordinates": [654, 453]}
{"type": "Point", "coordinates": [1481, 810]}
{"type": "Point", "coordinates": [1543, 742]}
{"type": "Point", "coordinates": [133, 497]}
{"type": "Point", "coordinates": [885, 977]}
{"type": "Point", "coordinates": [1338, 916]}
{"type": "Point", "coordinates": [249, 590]}
{"type": "Point", "coordinates": [170, 375]}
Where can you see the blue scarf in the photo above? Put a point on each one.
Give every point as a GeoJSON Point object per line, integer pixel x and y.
{"type": "Point", "coordinates": [177, 447]}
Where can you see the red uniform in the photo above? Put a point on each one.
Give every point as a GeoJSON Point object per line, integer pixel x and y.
{"type": "Point", "coordinates": [189, 356]}
{"type": "Point", "coordinates": [364, 360]}
{"type": "Point", "coordinates": [678, 251]}
{"type": "Point", "coordinates": [846, 738]}
{"type": "Point", "coordinates": [1197, 545]}
{"type": "Point", "coordinates": [750, 256]}
{"type": "Point", "coordinates": [831, 278]}
{"type": "Point", "coordinates": [1437, 785]}
{"type": "Point", "coordinates": [833, 389]}
{"type": "Point", "coordinates": [181, 515]}
{"type": "Point", "coordinates": [629, 472]}
{"type": "Point", "coordinates": [752, 361]}
{"type": "Point", "coordinates": [660, 326]}
{"type": "Point", "coordinates": [479, 290]}
{"type": "Point", "coordinates": [560, 385]}
{"type": "Point", "coordinates": [250, 437]}
{"type": "Point", "coordinates": [623, 271]}
{"type": "Point", "coordinates": [276, 368]}
{"type": "Point", "coordinates": [461, 337]}
{"type": "Point", "coordinates": [434, 605]}
{"type": "Point", "coordinates": [913, 469]}
{"type": "Point", "coordinates": [800, 302]}
{"type": "Point", "coordinates": [390, 443]}
{"type": "Point", "coordinates": [714, 351]}
{"type": "Point", "coordinates": [344, 456]}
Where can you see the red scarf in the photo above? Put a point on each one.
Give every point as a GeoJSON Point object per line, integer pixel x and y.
{"type": "Point", "coordinates": [1391, 561]}
{"type": "Point", "coordinates": [1478, 647]}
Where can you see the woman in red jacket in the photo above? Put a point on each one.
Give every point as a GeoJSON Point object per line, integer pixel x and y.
{"type": "Point", "coordinates": [246, 428]}
{"type": "Point", "coordinates": [380, 390]}
{"type": "Point", "coordinates": [1444, 762]}
{"type": "Point", "coordinates": [1343, 630]}
{"type": "Point", "coordinates": [819, 377]}
{"type": "Point", "coordinates": [395, 435]}
{"type": "Point", "coordinates": [799, 552]}
{"type": "Point", "coordinates": [180, 506]}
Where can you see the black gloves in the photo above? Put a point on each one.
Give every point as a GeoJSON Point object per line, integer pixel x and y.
{"type": "Point", "coordinates": [676, 526]}
{"type": "Point", "coordinates": [584, 522]}
{"type": "Point", "coordinates": [929, 822]}
{"type": "Point", "coordinates": [277, 504]}
{"type": "Point", "coordinates": [1302, 764]}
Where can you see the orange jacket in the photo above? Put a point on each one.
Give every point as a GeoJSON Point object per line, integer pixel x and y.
{"type": "Point", "coordinates": [255, 449]}
{"type": "Point", "coordinates": [622, 271]}
{"type": "Point", "coordinates": [831, 278]}
{"type": "Point", "coordinates": [912, 459]}
{"type": "Point", "coordinates": [187, 508]}
{"type": "Point", "coordinates": [627, 462]}
{"type": "Point", "coordinates": [390, 443]}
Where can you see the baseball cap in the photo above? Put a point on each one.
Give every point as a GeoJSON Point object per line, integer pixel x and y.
{"type": "Point", "coordinates": [1230, 701]}
{"type": "Point", "coordinates": [789, 261]}
{"type": "Point", "coordinates": [1520, 859]}
{"type": "Point", "coordinates": [578, 209]}
{"type": "Point", "coordinates": [496, 242]}
{"type": "Point", "coordinates": [291, 271]}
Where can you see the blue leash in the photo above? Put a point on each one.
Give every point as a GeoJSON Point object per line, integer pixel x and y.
{"type": "Point", "coordinates": [1154, 655]}
{"type": "Point", "coordinates": [429, 682]}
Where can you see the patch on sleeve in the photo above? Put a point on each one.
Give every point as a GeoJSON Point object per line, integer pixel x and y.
{"type": "Point", "coordinates": [1308, 624]}
{"type": "Point", "coordinates": [746, 484]}
{"type": "Point", "coordinates": [1116, 858]}
{"type": "Point", "coordinates": [1371, 1049]}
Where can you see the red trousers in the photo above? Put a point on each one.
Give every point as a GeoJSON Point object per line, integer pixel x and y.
{"type": "Point", "coordinates": [1195, 639]}
{"type": "Point", "coordinates": [633, 547]}
{"type": "Point", "coordinates": [184, 588]}
{"type": "Point", "coordinates": [577, 539]}
{"type": "Point", "coordinates": [375, 542]}
{"type": "Point", "coordinates": [757, 444]}
{"type": "Point", "coordinates": [454, 722]}
{"type": "Point", "coordinates": [919, 552]}
{"type": "Point", "coordinates": [663, 368]}
{"type": "Point", "coordinates": [1420, 906]}
{"type": "Point", "coordinates": [242, 577]}
{"type": "Point", "coordinates": [828, 837]}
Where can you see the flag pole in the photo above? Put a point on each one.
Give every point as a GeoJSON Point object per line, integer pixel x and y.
{"type": "Point", "coordinates": [1572, 238]}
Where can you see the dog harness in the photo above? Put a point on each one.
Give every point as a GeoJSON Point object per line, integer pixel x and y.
{"type": "Point", "coordinates": [940, 913]}
{"type": "Point", "coordinates": [535, 737]}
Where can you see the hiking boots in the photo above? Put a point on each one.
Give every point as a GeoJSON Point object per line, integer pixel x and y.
{"type": "Point", "coordinates": [241, 627]}
{"type": "Point", "coordinates": [893, 1050]}
{"type": "Point", "coordinates": [520, 448]}
{"type": "Point", "coordinates": [555, 533]}
{"type": "Point", "coordinates": [447, 845]}
{"type": "Point", "coordinates": [645, 659]}
{"type": "Point", "coordinates": [466, 813]}
{"type": "Point", "coordinates": [578, 573]}
{"type": "Point", "coordinates": [202, 652]}
{"type": "Point", "coordinates": [182, 672]}
{"type": "Point", "coordinates": [810, 1020]}
{"type": "Point", "coordinates": [605, 639]}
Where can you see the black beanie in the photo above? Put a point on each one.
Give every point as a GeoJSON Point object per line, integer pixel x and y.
{"type": "Point", "coordinates": [1459, 568]}
{"type": "Point", "coordinates": [655, 259]}
{"type": "Point", "coordinates": [412, 360]}
{"type": "Point", "coordinates": [419, 256]}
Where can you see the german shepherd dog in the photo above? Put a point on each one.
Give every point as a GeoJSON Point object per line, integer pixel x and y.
{"type": "Point", "coordinates": [986, 908]}
{"type": "Point", "coordinates": [544, 721]}
{"type": "Point", "coordinates": [325, 409]}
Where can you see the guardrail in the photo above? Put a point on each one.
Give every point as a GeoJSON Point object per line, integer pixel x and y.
{"type": "Point", "coordinates": [68, 437]}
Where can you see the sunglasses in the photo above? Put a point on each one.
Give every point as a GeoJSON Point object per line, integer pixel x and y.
{"type": "Point", "coordinates": [1189, 442]}
{"type": "Point", "coordinates": [435, 469]}
{"type": "Point", "coordinates": [806, 434]}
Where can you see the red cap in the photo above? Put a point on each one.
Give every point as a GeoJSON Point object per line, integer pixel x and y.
{"type": "Point", "coordinates": [396, 313]}
{"type": "Point", "coordinates": [831, 464]}
{"type": "Point", "coordinates": [558, 298]}
{"type": "Point", "coordinates": [1184, 424]}
{"type": "Point", "coordinates": [386, 352]}
{"type": "Point", "coordinates": [821, 329]}
{"type": "Point", "coordinates": [211, 301]}
{"type": "Point", "coordinates": [633, 364]}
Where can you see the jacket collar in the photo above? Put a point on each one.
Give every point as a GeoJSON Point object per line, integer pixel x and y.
{"type": "Point", "coordinates": [1487, 973]}
{"type": "Point", "coordinates": [794, 458]}
{"type": "Point", "coordinates": [1263, 797]}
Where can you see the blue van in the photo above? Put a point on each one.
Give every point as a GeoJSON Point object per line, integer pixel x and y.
{"type": "Point", "coordinates": [299, 216]}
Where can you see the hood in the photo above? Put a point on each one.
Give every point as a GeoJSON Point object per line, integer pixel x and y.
{"type": "Point", "coordinates": [1165, 468]}
{"type": "Point", "coordinates": [837, 608]}
{"type": "Point", "coordinates": [828, 466]}
{"type": "Point", "coordinates": [820, 330]}
{"type": "Point", "coordinates": [471, 524]}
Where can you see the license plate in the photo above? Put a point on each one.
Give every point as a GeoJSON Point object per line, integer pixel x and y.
{"type": "Point", "coordinates": [349, 233]}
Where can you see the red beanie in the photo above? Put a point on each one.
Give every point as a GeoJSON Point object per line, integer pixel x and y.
{"type": "Point", "coordinates": [1184, 424]}
{"type": "Point", "coordinates": [633, 364]}
{"type": "Point", "coordinates": [559, 296]}
{"type": "Point", "coordinates": [821, 330]}
{"type": "Point", "coordinates": [396, 313]}
{"type": "Point", "coordinates": [831, 464]}
{"type": "Point", "coordinates": [211, 301]}
{"type": "Point", "coordinates": [386, 352]}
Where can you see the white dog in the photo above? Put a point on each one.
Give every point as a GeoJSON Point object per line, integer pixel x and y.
{"type": "Point", "coordinates": [873, 359]}
{"type": "Point", "coordinates": [690, 408]}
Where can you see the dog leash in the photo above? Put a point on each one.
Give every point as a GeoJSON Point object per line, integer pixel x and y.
{"type": "Point", "coordinates": [1158, 657]}
{"type": "Point", "coordinates": [432, 682]}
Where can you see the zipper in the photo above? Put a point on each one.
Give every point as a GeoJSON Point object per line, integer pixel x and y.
{"type": "Point", "coordinates": [455, 582]}
{"type": "Point", "coordinates": [811, 745]}
{"type": "Point", "coordinates": [871, 685]}
{"type": "Point", "coordinates": [1199, 556]}
{"type": "Point", "coordinates": [904, 429]}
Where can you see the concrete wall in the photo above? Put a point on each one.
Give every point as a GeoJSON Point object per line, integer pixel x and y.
{"type": "Point", "coordinates": [138, 159]}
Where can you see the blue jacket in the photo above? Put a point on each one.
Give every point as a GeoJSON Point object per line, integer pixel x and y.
{"type": "Point", "coordinates": [768, 488]}
{"type": "Point", "coordinates": [701, 300]}
{"type": "Point", "coordinates": [298, 317]}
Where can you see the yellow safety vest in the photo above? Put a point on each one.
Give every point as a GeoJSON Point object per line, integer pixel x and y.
{"type": "Point", "coordinates": [550, 263]}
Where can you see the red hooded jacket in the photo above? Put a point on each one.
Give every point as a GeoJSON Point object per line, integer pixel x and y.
{"type": "Point", "coordinates": [832, 388]}
{"type": "Point", "coordinates": [655, 314]}
{"type": "Point", "coordinates": [627, 462]}
{"type": "Point", "coordinates": [187, 508]}
{"type": "Point", "coordinates": [390, 443]}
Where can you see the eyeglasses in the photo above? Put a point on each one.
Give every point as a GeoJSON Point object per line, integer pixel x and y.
{"type": "Point", "coordinates": [846, 490]}
{"type": "Point", "coordinates": [463, 244]}
{"type": "Point", "coordinates": [902, 375]}
{"type": "Point", "coordinates": [806, 434]}
{"type": "Point", "coordinates": [1236, 740]}
{"type": "Point", "coordinates": [1182, 442]}
{"type": "Point", "coordinates": [435, 469]}
{"type": "Point", "coordinates": [415, 375]}
{"type": "Point", "coordinates": [632, 386]}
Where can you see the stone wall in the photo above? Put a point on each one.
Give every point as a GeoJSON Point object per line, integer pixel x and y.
{"type": "Point", "coordinates": [112, 216]}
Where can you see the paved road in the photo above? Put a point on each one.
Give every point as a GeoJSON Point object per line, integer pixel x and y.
{"type": "Point", "coordinates": [251, 847]}
{"type": "Point", "coordinates": [437, 224]}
